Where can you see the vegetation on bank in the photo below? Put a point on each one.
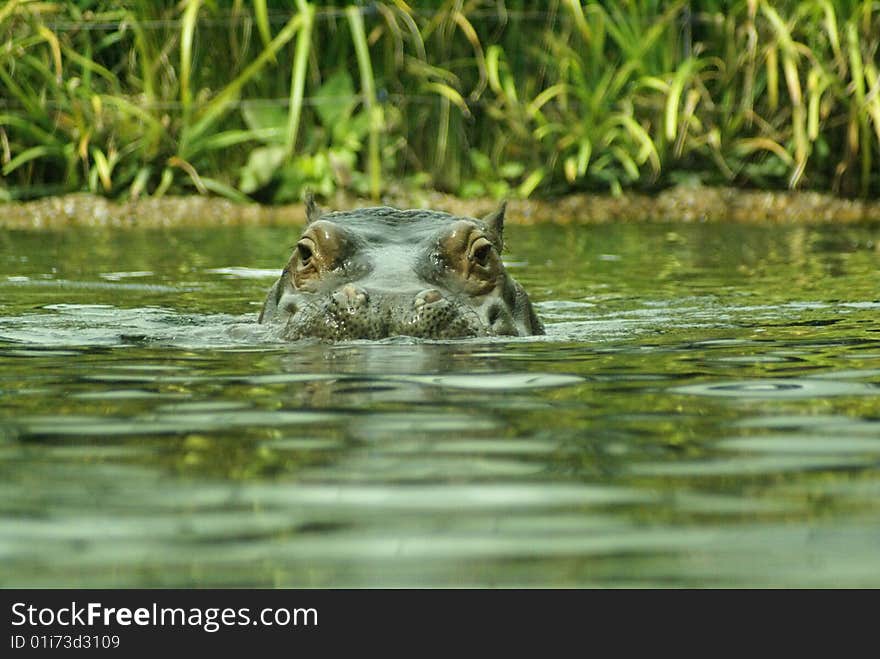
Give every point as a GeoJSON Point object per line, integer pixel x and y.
{"type": "Point", "coordinates": [475, 97]}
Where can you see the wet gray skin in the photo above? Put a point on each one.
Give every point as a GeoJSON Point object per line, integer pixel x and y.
{"type": "Point", "coordinates": [378, 272]}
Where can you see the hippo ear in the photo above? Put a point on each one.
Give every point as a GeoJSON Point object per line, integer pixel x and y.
{"type": "Point", "coordinates": [313, 211]}
{"type": "Point", "coordinates": [495, 226]}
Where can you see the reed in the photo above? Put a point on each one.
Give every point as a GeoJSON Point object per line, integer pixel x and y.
{"type": "Point", "coordinates": [258, 100]}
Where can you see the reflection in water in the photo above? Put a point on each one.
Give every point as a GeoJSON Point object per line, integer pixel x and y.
{"type": "Point", "coordinates": [703, 411]}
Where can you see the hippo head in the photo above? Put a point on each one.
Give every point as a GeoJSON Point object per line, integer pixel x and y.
{"type": "Point", "coordinates": [378, 272]}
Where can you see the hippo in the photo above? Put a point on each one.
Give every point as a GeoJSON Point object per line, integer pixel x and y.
{"type": "Point", "coordinates": [374, 273]}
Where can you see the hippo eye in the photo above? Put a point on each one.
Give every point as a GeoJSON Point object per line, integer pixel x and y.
{"type": "Point", "coordinates": [481, 252]}
{"type": "Point", "coordinates": [305, 253]}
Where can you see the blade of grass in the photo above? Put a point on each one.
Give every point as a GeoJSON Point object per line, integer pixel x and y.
{"type": "Point", "coordinates": [374, 112]}
{"type": "Point", "coordinates": [817, 83]}
{"type": "Point", "coordinates": [8, 10]}
{"type": "Point", "coordinates": [872, 100]}
{"type": "Point", "coordinates": [55, 47]}
{"type": "Point", "coordinates": [772, 69]}
{"type": "Point", "coordinates": [176, 161]}
{"type": "Point", "coordinates": [545, 97]}
{"type": "Point", "coordinates": [91, 65]}
{"type": "Point", "coordinates": [103, 167]}
{"type": "Point", "coordinates": [857, 72]}
{"type": "Point", "coordinates": [752, 144]}
{"type": "Point", "coordinates": [187, 33]}
{"type": "Point", "coordinates": [30, 128]}
{"type": "Point", "coordinates": [676, 89]}
{"type": "Point", "coordinates": [140, 183]}
{"type": "Point", "coordinates": [29, 155]}
{"type": "Point", "coordinates": [471, 35]}
{"type": "Point", "coordinates": [298, 75]}
{"type": "Point", "coordinates": [31, 104]}
{"type": "Point", "coordinates": [532, 181]}
{"type": "Point", "coordinates": [224, 190]}
{"type": "Point", "coordinates": [165, 182]}
{"type": "Point", "coordinates": [228, 138]}
{"type": "Point", "coordinates": [261, 14]}
{"type": "Point", "coordinates": [127, 107]}
{"type": "Point", "coordinates": [450, 94]}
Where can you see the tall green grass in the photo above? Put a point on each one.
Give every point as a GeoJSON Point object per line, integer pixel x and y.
{"type": "Point", "coordinates": [262, 100]}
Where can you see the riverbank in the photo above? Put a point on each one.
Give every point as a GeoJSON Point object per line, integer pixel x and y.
{"type": "Point", "coordinates": [678, 204]}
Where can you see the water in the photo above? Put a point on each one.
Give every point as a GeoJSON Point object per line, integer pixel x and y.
{"type": "Point", "coordinates": [702, 412]}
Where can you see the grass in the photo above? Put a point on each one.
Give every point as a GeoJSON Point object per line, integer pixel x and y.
{"type": "Point", "coordinates": [258, 100]}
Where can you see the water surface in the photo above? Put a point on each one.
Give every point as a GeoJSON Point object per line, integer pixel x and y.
{"type": "Point", "coordinates": [702, 412]}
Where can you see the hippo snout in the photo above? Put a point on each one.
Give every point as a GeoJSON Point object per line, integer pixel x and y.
{"type": "Point", "coordinates": [356, 312]}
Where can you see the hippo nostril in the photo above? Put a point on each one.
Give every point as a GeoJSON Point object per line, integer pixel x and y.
{"type": "Point", "coordinates": [350, 296]}
{"type": "Point", "coordinates": [428, 297]}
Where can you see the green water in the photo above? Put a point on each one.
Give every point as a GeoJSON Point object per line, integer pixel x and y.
{"type": "Point", "coordinates": [703, 411]}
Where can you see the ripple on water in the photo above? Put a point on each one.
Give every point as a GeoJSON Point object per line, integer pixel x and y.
{"type": "Point", "coordinates": [448, 497]}
{"type": "Point", "coordinates": [844, 374]}
{"type": "Point", "coordinates": [126, 394]}
{"type": "Point", "coordinates": [169, 422]}
{"type": "Point", "coordinates": [832, 444]}
{"type": "Point", "coordinates": [38, 352]}
{"type": "Point", "coordinates": [778, 388]}
{"type": "Point", "coordinates": [824, 424]}
{"type": "Point", "coordinates": [119, 276]}
{"type": "Point", "coordinates": [496, 381]}
{"type": "Point", "coordinates": [238, 272]}
{"type": "Point", "coordinates": [760, 465]}
{"type": "Point", "coordinates": [63, 284]}
{"type": "Point", "coordinates": [408, 423]}
{"type": "Point", "coordinates": [65, 325]}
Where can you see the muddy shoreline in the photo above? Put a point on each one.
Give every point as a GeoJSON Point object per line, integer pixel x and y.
{"type": "Point", "coordinates": [679, 204]}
